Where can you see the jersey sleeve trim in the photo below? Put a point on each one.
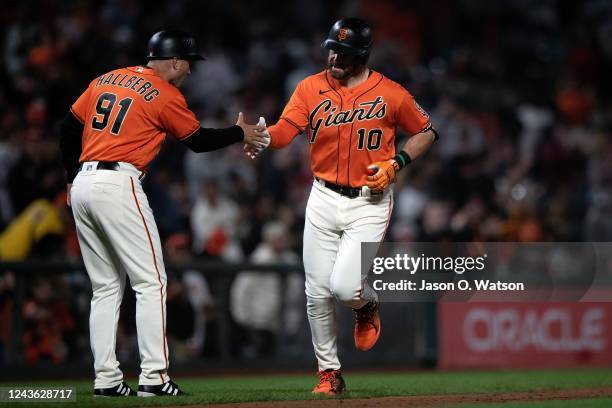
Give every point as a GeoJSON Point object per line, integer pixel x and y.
{"type": "Point", "coordinates": [292, 123]}
{"type": "Point", "coordinates": [425, 129]}
{"type": "Point", "coordinates": [77, 116]}
{"type": "Point", "coordinates": [189, 134]}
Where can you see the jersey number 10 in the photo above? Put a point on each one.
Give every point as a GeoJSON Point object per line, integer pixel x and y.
{"type": "Point", "coordinates": [374, 139]}
{"type": "Point", "coordinates": [104, 107]}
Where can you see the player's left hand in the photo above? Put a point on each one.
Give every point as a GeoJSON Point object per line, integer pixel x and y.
{"type": "Point", "coordinates": [382, 173]}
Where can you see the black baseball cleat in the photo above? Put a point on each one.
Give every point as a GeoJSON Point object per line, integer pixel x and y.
{"type": "Point", "coordinates": [122, 390]}
{"type": "Point", "coordinates": [167, 388]}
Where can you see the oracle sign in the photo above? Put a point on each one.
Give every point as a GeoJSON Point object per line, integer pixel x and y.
{"type": "Point", "coordinates": [524, 334]}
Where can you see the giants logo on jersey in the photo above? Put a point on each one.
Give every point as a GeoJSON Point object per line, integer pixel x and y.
{"type": "Point", "coordinates": [368, 110]}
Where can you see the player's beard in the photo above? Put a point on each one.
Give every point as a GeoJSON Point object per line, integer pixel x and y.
{"type": "Point", "coordinates": [343, 70]}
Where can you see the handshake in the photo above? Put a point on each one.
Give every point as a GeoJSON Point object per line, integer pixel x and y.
{"type": "Point", "coordinates": [256, 137]}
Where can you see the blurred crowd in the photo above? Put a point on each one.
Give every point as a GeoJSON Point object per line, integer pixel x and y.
{"type": "Point", "coordinates": [518, 90]}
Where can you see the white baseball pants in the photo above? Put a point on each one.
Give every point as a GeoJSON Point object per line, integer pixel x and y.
{"type": "Point", "coordinates": [118, 236]}
{"type": "Point", "coordinates": [334, 229]}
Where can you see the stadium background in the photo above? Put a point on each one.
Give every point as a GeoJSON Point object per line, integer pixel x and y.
{"type": "Point", "coordinates": [519, 92]}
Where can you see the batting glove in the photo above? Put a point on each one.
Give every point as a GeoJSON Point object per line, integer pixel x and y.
{"type": "Point", "coordinates": [382, 173]}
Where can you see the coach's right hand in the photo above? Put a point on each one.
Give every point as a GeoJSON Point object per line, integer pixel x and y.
{"type": "Point", "coordinates": [258, 141]}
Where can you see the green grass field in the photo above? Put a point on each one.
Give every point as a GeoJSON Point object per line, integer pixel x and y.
{"type": "Point", "coordinates": [361, 385]}
{"type": "Point", "coordinates": [577, 403]}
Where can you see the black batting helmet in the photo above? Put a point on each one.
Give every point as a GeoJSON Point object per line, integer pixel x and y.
{"type": "Point", "coordinates": [351, 36]}
{"type": "Point", "coordinates": [173, 43]}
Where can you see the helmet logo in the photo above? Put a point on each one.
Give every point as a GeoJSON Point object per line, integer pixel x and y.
{"type": "Point", "coordinates": [342, 34]}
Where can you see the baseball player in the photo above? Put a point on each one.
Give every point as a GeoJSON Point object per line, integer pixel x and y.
{"type": "Point", "coordinates": [113, 130]}
{"type": "Point", "coordinates": [351, 114]}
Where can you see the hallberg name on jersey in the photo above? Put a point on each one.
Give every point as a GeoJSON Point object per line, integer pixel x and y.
{"type": "Point", "coordinates": [135, 83]}
{"type": "Point", "coordinates": [368, 110]}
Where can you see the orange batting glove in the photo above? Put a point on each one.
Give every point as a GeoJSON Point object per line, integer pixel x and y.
{"type": "Point", "coordinates": [382, 174]}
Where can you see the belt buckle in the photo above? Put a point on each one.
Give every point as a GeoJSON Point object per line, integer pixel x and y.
{"type": "Point", "coordinates": [365, 191]}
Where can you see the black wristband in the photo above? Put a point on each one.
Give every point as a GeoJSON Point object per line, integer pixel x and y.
{"type": "Point", "coordinates": [402, 159]}
{"type": "Point", "coordinates": [436, 135]}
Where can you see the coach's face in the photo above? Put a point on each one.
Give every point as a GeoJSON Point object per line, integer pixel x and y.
{"type": "Point", "coordinates": [180, 69]}
{"type": "Point", "coordinates": [341, 66]}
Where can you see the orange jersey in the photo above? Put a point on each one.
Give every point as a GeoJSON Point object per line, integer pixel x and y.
{"type": "Point", "coordinates": [348, 128]}
{"type": "Point", "coordinates": [126, 114]}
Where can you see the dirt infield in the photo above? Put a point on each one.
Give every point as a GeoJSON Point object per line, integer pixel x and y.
{"type": "Point", "coordinates": [430, 401]}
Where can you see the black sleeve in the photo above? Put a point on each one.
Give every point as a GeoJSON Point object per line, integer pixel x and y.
{"type": "Point", "coordinates": [206, 139]}
{"type": "Point", "coordinates": [71, 137]}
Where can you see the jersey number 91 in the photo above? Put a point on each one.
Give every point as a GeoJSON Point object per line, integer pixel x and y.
{"type": "Point", "coordinates": [104, 108]}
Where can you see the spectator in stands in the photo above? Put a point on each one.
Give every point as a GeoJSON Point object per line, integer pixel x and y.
{"type": "Point", "coordinates": [189, 300]}
{"type": "Point", "coordinates": [48, 323]}
{"type": "Point", "coordinates": [259, 302]}
{"type": "Point", "coordinates": [36, 173]}
{"type": "Point", "coordinates": [38, 230]}
{"type": "Point", "coordinates": [213, 222]}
